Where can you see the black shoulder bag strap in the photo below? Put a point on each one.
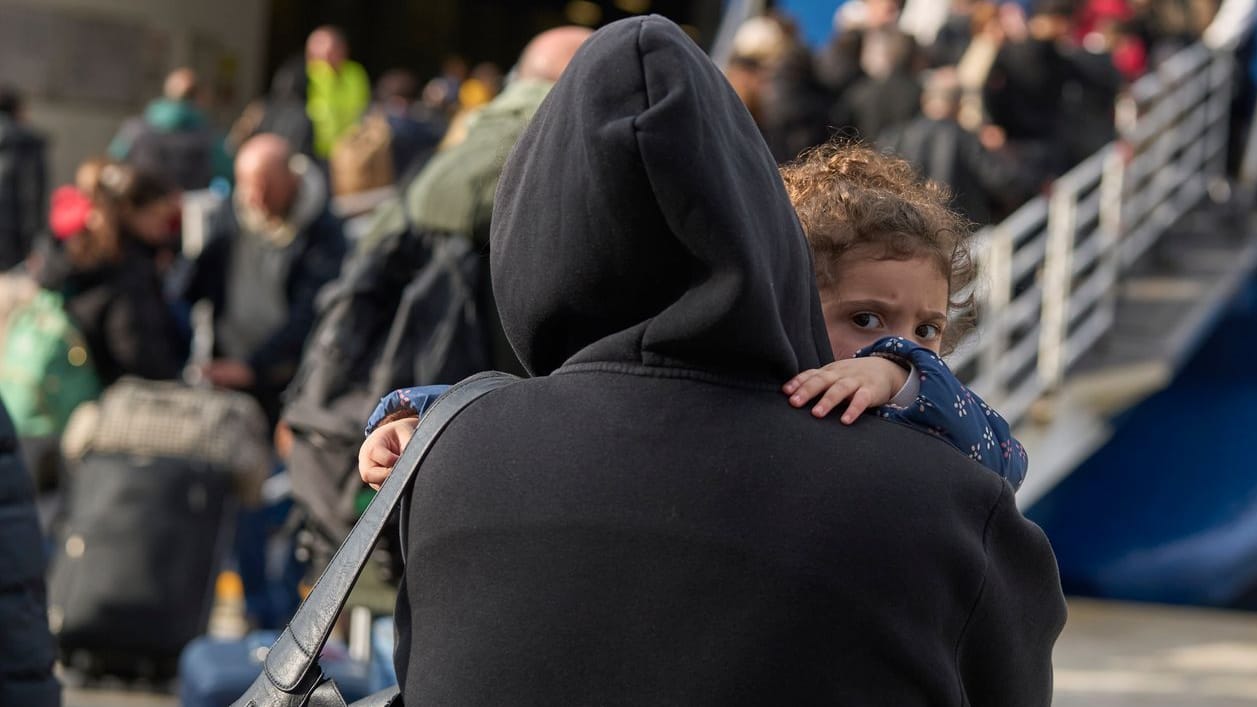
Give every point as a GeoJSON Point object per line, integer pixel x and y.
{"type": "Point", "coordinates": [291, 676]}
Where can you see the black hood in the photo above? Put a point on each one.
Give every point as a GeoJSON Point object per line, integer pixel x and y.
{"type": "Point", "coordinates": [641, 220]}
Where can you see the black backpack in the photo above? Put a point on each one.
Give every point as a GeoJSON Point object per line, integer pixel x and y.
{"type": "Point", "coordinates": [405, 311]}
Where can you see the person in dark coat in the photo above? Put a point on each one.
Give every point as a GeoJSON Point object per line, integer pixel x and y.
{"type": "Point", "coordinates": [646, 521]}
{"type": "Point", "coordinates": [109, 277]}
{"type": "Point", "coordinates": [268, 252]}
{"type": "Point", "coordinates": [27, 650]}
{"type": "Point", "coordinates": [413, 138]}
{"type": "Point", "coordinates": [173, 138]}
{"type": "Point", "coordinates": [1053, 101]}
{"type": "Point", "coordinates": [23, 182]}
{"type": "Point", "coordinates": [983, 182]}
{"type": "Point", "coordinates": [282, 112]}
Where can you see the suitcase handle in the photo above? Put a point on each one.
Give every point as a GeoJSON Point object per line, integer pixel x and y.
{"type": "Point", "coordinates": [290, 676]}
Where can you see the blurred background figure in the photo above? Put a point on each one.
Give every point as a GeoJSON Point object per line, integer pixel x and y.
{"type": "Point", "coordinates": [173, 138]}
{"type": "Point", "coordinates": [268, 252]}
{"type": "Point", "coordinates": [115, 238]}
{"type": "Point", "coordinates": [339, 90]}
{"type": "Point", "coordinates": [23, 181]}
{"type": "Point", "coordinates": [772, 72]}
{"type": "Point", "coordinates": [414, 134]}
{"type": "Point", "coordinates": [282, 111]}
{"type": "Point", "coordinates": [1049, 95]}
{"type": "Point", "coordinates": [983, 182]}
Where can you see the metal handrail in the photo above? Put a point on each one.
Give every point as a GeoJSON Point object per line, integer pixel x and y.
{"type": "Point", "coordinates": [1100, 217]}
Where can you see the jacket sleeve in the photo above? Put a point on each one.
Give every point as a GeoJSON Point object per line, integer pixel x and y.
{"type": "Point", "coordinates": [206, 276]}
{"type": "Point", "coordinates": [996, 172]}
{"type": "Point", "coordinates": [142, 339]}
{"type": "Point", "coordinates": [948, 409]}
{"type": "Point", "coordinates": [276, 359]}
{"type": "Point", "coordinates": [1004, 655]}
{"type": "Point", "coordinates": [413, 400]}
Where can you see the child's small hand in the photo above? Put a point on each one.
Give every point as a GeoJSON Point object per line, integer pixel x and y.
{"type": "Point", "coordinates": [866, 382]}
{"type": "Point", "coordinates": [381, 449]}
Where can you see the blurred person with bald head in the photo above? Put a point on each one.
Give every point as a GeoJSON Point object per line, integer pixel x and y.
{"type": "Point", "coordinates": [339, 90]}
{"type": "Point", "coordinates": [267, 253]}
{"type": "Point", "coordinates": [173, 139]}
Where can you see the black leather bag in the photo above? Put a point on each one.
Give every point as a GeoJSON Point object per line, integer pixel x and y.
{"type": "Point", "coordinates": [291, 676]}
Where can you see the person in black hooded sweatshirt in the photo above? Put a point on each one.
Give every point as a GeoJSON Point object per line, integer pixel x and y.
{"type": "Point", "coordinates": [644, 522]}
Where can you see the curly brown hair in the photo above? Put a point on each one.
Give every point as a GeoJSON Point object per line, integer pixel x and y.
{"type": "Point", "coordinates": [848, 195]}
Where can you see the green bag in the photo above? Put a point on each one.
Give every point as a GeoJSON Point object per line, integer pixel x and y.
{"type": "Point", "coordinates": [45, 367]}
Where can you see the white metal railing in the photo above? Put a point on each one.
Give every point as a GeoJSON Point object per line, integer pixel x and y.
{"type": "Point", "coordinates": [1053, 267]}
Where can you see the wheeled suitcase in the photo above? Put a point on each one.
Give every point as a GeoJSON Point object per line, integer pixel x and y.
{"type": "Point", "coordinates": [134, 564]}
{"type": "Point", "coordinates": [155, 472]}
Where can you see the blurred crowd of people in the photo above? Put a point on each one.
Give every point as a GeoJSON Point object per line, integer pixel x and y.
{"type": "Point", "coordinates": [110, 242]}
{"type": "Point", "coordinates": [993, 99]}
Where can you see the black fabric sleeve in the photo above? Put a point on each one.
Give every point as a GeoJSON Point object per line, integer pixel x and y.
{"type": "Point", "coordinates": [140, 334]}
{"type": "Point", "coordinates": [1004, 655]}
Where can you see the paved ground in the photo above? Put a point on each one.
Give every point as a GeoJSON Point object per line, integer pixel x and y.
{"type": "Point", "coordinates": [1111, 655]}
{"type": "Point", "coordinates": [1115, 655]}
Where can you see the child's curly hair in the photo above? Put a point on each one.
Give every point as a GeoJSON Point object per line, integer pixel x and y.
{"type": "Point", "coordinates": [848, 195]}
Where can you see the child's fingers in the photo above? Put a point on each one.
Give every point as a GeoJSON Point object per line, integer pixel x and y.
{"type": "Point", "coordinates": [810, 388]}
{"type": "Point", "coordinates": [859, 403]}
{"type": "Point", "coordinates": [383, 456]}
{"type": "Point", "coordinates": [374, 475]}
{"type": "Point", "coordinates": [838, 392]}
{"type": "Point", "coordinates": [794, 383]}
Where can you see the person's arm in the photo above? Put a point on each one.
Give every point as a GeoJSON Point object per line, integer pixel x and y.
{"type": "Point", "coordinates": [406, 402]}
{"type": "Point", "coordinates": [945, 407]}
{"type": "Point", "coordinates": [141, 336]}
{"type": "Point", "coordinates": [1004, 654]}
{"type": "Point", "coordinates": [390, 428]}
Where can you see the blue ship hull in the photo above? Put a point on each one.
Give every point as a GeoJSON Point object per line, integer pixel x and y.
{"type": "Point", "coordinates": [1166, 511]}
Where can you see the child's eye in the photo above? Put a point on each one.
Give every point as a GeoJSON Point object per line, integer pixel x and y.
{"type": "Point", "coordinates": [866, 320]}
{"type": "Point", "coordinates": [926, 332]}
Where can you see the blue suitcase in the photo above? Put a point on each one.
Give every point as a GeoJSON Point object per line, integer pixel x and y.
{"type": "Point", "coordinates": [213, 672]}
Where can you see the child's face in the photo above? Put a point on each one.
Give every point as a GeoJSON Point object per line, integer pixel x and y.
{"type": "Point", "coordinates": [873, 298]}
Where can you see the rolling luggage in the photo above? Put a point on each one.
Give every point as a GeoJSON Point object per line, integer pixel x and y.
{"type": "Point", "coordinates": [155, 472]}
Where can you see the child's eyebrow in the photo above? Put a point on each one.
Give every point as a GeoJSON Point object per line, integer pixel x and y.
{"type": "Point", "coordinates": [866, 304]}
{"type": "Point", "coordinates": [928, 315]}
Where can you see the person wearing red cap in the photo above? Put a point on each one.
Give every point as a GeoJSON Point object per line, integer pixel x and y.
{"type": "Point", "coordinates": [109, 278]}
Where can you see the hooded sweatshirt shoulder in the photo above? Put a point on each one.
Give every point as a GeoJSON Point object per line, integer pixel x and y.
{"type": "Point", "coordinates": [648, 521]}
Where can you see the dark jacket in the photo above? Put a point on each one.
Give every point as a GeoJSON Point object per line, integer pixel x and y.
{"type": "Point", "coordinates": [121, 312]}
{"type": "Point", "coordinates": [879, 104]}
{"type": "Point", "coordinates": [649, 522]}
{"type": "Point", "coordinates": [796, 107]}
{"type": "Point", "coordinates": [284, 108]}
{"type": "Point", "coordinates": [172, 139]}
{"type": "Point", "coordinates": [23, 191]}
{"type": "Point", "coordinates": [263, 293]}
{"type": "Point", "coordinates": [26, 647]}
{"type": "Point", "coordinates": [982, 182]}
